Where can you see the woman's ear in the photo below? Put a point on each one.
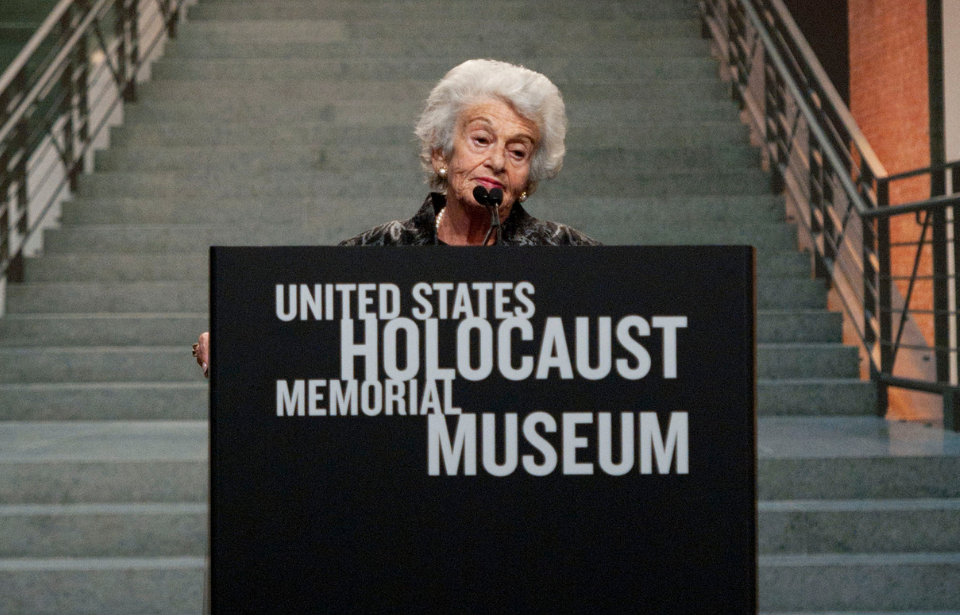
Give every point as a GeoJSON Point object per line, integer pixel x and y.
{"type": "Point", "coordinates": [437, 159]}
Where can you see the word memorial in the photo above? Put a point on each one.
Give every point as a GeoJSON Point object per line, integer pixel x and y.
{"type": "Point", "coordinates": [535, 430]}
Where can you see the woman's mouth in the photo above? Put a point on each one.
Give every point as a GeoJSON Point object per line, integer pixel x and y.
{"type": "Point", "coordinates": [489, 183]}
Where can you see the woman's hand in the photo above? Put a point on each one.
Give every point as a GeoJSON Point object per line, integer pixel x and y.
{"type": "Point", "coordinates": [201, 350]}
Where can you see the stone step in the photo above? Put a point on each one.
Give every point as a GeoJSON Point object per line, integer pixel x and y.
{"type": "Point", "coordinates": [183, 211]}
{"type": "Point", "coordinates": [799, 527]}
{"type": "Point", "coordinates": [102, 586]}
{"type": "Point", "coordinates": [806, 361]}
{"type": "Point", "coordinates": [116, 329]}
{"type": "Point", "coordinates": [254, 160]}
{"type": "Point", "coordinates": [193, 238]}
{"type": "Point", "coordinates": [798, 326]}
{"type": "Point", "coordinates": [388, 113]}
{"type": "Point", "coordinates": [853, 458]}
{"type": "Point", "coordinates": [307, 88]}
{"type": "Point", "coordinates": [111, 401]}
{"type": "Point", "coordinates": [302, 184]}
{"type": "Point", "coordinates": [103, 530]}
{"type": "Point", "coordinates": [429, 11]}
{"type": "Point", "coordinates": [899, 612]}
{"type": "Point", "coordinates": [815, 397]}
{"type": "Point", "coordinates": [653, 210]}
{"type": "Point", "coordinates": [614, 231]}
{"type": "Point", "coordinates": [103, 462]}
{"type": "Point", "coordinates": [108, 297]}
{"type": "Point", "coordinates": [444, 30]}
{"type": "Point", "coordinates": [692, 133]}
{"type": "Point", "coordinates": [86, 364]}
{"type": "Point", "coordinates": [254, 69]}
{"type": "Point", "coordinates": [623, 227]}
{"type": "Point", "coordinates": [116, 268]}
{"type": "Point", "coordinates": [663, 209]}
{"type": "Point", "coordinates": [310, 45]}
{"type": "Point", "coordinates": [194, 266]}
{"type": "Point", "coordinates": [784, 263]}
{"type": "Point", "coordinates": [787, 294]}
{"type": "Point", "coordinates": [839, 582]}
{"type": "Point", "coordinates": [161, 238]}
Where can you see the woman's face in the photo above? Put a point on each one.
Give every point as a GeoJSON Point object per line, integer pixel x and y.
{"type": "Point", "coordinates": [492, 147]}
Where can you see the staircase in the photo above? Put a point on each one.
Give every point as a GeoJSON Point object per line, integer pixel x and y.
{"type": "Point", "coordinates": [284, 123]}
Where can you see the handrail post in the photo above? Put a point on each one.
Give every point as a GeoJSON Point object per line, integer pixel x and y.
{"type": "Point", "coordinates": [955, 246]}
{"type": "Point", "coordinates": [734, 61]}
{"type": "Point", "coordinates": [941, 290]}
{"type": "Point", "coordinates": [778, 111]}
{"type": "Point", "coordinates": [68, 103]}
{"type": "Point", "coordinates": [171, 13]}
{"type": "Point", "coordinates": [82, 85]}
{"type": "Point", "coordinates": [819, 217]}
{"type": "Point", "coordinates": [884, 291]}
{"type": "Point", "coordinates": [951, 411]}
{"type": "Point", "coordinates": [704, 25]}
{"type": "Point", "coordinates": [127, 48]}
{"type": "Point", "coordinates": [769, 118]}
{"type": "Point", "coordinates": [18, 216]}
{"type": "Point", "coordinates": [134, 24]}
{"type": "Point", "coordinates": [8, 100]}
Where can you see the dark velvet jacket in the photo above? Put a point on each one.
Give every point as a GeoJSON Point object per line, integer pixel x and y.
{"type": "Point", "coordinates": [519, 229]}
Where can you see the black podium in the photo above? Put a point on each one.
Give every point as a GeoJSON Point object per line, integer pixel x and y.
{"type": "Point", "coordinates": [483, 430]}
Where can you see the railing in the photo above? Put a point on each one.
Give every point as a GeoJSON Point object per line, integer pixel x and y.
{"type": "Point", "coordinates": [56, 99]}
{"type": "Point", "coordinates": [839, 193]}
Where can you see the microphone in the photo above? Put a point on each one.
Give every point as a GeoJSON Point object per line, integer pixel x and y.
{"type": "Point", "coordinates": [481, 195]}
{"type": "Point", "coordinates": [491, 200]}
{"type": "Point", "coordinates": [488, 199]}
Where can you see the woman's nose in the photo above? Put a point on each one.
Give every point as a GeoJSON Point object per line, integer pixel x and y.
{"type": "Point", "coordinates": [496, 159]}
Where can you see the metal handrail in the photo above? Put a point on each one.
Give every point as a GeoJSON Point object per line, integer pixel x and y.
{"type": "Point", "coordinates": [61, 139]}
{"type": "Point", "coordinates": [53, 71]}
{"type": "Point", "coordinates": [839, 193]}
{"type": "Point", "coordinates": [33, 44]}
{"type": "Point", "coordinates": [931, 204]}
{"type": "Point", "coordinates": [926, 171]}
{"type": "Point", "coordinates": [814, 124]}
{"type": "Point", "coordinates": [812, 63]}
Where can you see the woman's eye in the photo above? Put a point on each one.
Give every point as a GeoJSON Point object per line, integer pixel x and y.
{"type": "Point", "coordinates": [519, 154]}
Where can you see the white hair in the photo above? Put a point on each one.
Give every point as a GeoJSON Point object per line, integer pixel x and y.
{"type": "Point", "coordinates": [531, 95]}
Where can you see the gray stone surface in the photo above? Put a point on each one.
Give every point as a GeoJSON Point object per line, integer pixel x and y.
{"type": "Point", "coordinates": [890, 582]}
{"type": "Point", "coordinates": [278, 123]}
{"type": "Point", "coordinates": [103, 530]}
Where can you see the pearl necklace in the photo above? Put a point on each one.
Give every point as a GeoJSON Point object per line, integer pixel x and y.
{"type": "Point", "coordinates": [440, 218]}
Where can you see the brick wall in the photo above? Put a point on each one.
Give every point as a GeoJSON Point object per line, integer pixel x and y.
{"type": "Point", "coordinates": [889, 98]}
{"type": "Point", "coordinates": [888, 82]}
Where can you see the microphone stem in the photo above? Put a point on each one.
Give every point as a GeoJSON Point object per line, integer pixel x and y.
{"type": "Point", "coordinates": [494, 227]}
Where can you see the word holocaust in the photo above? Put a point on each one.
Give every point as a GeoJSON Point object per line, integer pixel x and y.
{"type": "Point", "coordinates": [447, 453]}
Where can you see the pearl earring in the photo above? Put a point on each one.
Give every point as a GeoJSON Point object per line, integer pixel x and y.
{"type": "Point", "coordinates": [442, 173]}
{"type": "Point", "coordinates": [523, 196]}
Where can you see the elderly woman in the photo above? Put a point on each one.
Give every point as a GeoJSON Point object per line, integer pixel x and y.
{"type": "Point", "coordinates": [493, 125]}
{"type": "Point", "coordinates": [491, 131]}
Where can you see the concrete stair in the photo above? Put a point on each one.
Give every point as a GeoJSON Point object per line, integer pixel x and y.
{"type": "Point", "coordinates": [858, 515]}
{"type": "Point", "coordinates": [102, 516]}
{"type": "Point", "coordinates": [285, 123]}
